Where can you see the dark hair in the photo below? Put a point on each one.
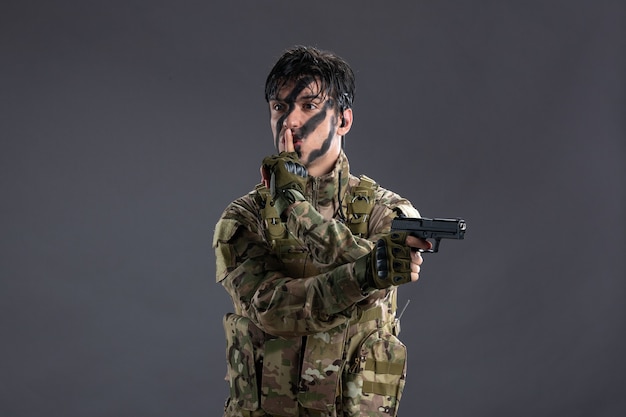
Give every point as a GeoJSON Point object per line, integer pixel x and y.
{"type": "Point", "coordinates": [334, 74]}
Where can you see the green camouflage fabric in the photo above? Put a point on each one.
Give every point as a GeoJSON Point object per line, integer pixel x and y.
{"type": "Point", "coordinates": [318, 335]}
{"type": "Point", "coordinates": [244, 341]}
{"type": "Point", "coordinates": [376, 376]}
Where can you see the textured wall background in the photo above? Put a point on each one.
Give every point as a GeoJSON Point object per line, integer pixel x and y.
{"type": "Point", "coordinates": [127, 126]}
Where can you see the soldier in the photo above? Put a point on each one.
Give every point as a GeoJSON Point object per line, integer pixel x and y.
{"type": "Point", "coordinates": [309, 262]}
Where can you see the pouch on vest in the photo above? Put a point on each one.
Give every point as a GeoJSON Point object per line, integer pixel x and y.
{"type": "Point", "coordinates": [322, 367]}
{"type": "Point", "coordinates": [280, 376]}
{"type": "Point", "coordinates": [360, 205]}
{"type": "Point", "coordinates": [241, 338]}
{"type": "Point", "coordinates": [376, 375]}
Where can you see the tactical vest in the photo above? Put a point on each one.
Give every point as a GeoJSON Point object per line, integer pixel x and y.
{"type": "Point", "coordinates": [374, 359]}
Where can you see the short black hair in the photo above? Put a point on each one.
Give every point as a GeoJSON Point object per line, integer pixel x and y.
{"type": "Point", "coordinates": [335, 75]}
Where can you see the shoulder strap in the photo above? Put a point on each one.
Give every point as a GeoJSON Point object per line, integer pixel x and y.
{"type": "Point", "coordinates": [274, 225]}
{"type": "Point", "coordinates": [284, 245]}
{"type": "Point", "coordinates": [360, 205]}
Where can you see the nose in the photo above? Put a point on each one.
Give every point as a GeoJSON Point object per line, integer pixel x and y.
{"type": "Point", "coordinates": [293, 120]}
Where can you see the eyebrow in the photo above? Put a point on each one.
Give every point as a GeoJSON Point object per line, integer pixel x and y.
{"type": "Point", "coordinates": [311, 97]}
{"type": "Point", "coordinates": [318, 96]}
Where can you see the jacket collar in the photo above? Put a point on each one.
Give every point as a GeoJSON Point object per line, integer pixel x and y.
{"type": "Point", "coordinates": [326, 189]}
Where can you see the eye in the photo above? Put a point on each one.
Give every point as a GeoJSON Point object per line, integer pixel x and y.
{"type": "Point", "coordinates": [277, 106]}
{"type": "Point", "coordinates": [309, 106]}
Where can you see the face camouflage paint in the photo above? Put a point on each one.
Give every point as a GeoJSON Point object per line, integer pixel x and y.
{"type": "Point", "coordinates": [290, 100]}
{"type": "Point", "coordinates": [312, 124]}
{"type": "Point", "coordinates": [303, 113]}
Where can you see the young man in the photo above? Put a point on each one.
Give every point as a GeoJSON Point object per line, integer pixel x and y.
{"type": "Point", "coordinates": [310, 263]}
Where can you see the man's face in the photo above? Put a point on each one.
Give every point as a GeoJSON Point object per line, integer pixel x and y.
{"type": "Point", "coordinates": [313, 124]}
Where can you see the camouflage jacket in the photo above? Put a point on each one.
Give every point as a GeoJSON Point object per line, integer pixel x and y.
{"type": "Point", "coordinates": [307, 336]}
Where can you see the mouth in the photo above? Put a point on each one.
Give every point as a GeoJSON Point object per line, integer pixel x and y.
{"type": "Point", "coordinates": [297, 142]}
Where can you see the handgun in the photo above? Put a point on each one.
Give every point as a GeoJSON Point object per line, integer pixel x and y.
{"type": "Point", "coordinates": [425, 228]}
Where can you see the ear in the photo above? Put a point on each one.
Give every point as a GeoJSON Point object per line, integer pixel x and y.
{"type": "Point", "coordinates": [265, 177]}
{"type": "Point", "coordinates": [345, 122]}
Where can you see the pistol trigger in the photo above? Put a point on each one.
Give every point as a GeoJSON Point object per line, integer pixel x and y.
{"type": "Point", "coordinates": [436, 245]}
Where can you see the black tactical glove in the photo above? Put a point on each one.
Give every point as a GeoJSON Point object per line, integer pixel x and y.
{"type": "Point", "coordinates": [389, 263]}
{"type": "Point", "coordinates": [287, 179]}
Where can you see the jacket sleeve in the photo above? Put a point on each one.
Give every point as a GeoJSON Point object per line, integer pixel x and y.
{"type": "Point", "coordinates": [282, 305]}
{"type": "Point", "coordinates": [390, 205]}
{"type": "Point", "coordinates": [330, 242]}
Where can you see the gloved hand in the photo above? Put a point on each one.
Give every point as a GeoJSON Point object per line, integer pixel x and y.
{"type": "Point", "coordinates": [286, 177]}
{"type": "Point", "coordinates": [389, 263]}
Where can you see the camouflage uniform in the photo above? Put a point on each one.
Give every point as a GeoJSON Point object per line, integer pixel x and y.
{"type": "Point", "coordinates": [308, 337]}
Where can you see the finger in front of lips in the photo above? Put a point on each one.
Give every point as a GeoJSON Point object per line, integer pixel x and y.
{"type": "Point", "coordinates": [287, 142]}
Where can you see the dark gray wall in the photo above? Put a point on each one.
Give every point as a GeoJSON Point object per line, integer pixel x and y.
{"type": "Point", "coordinates": [126, 127]}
